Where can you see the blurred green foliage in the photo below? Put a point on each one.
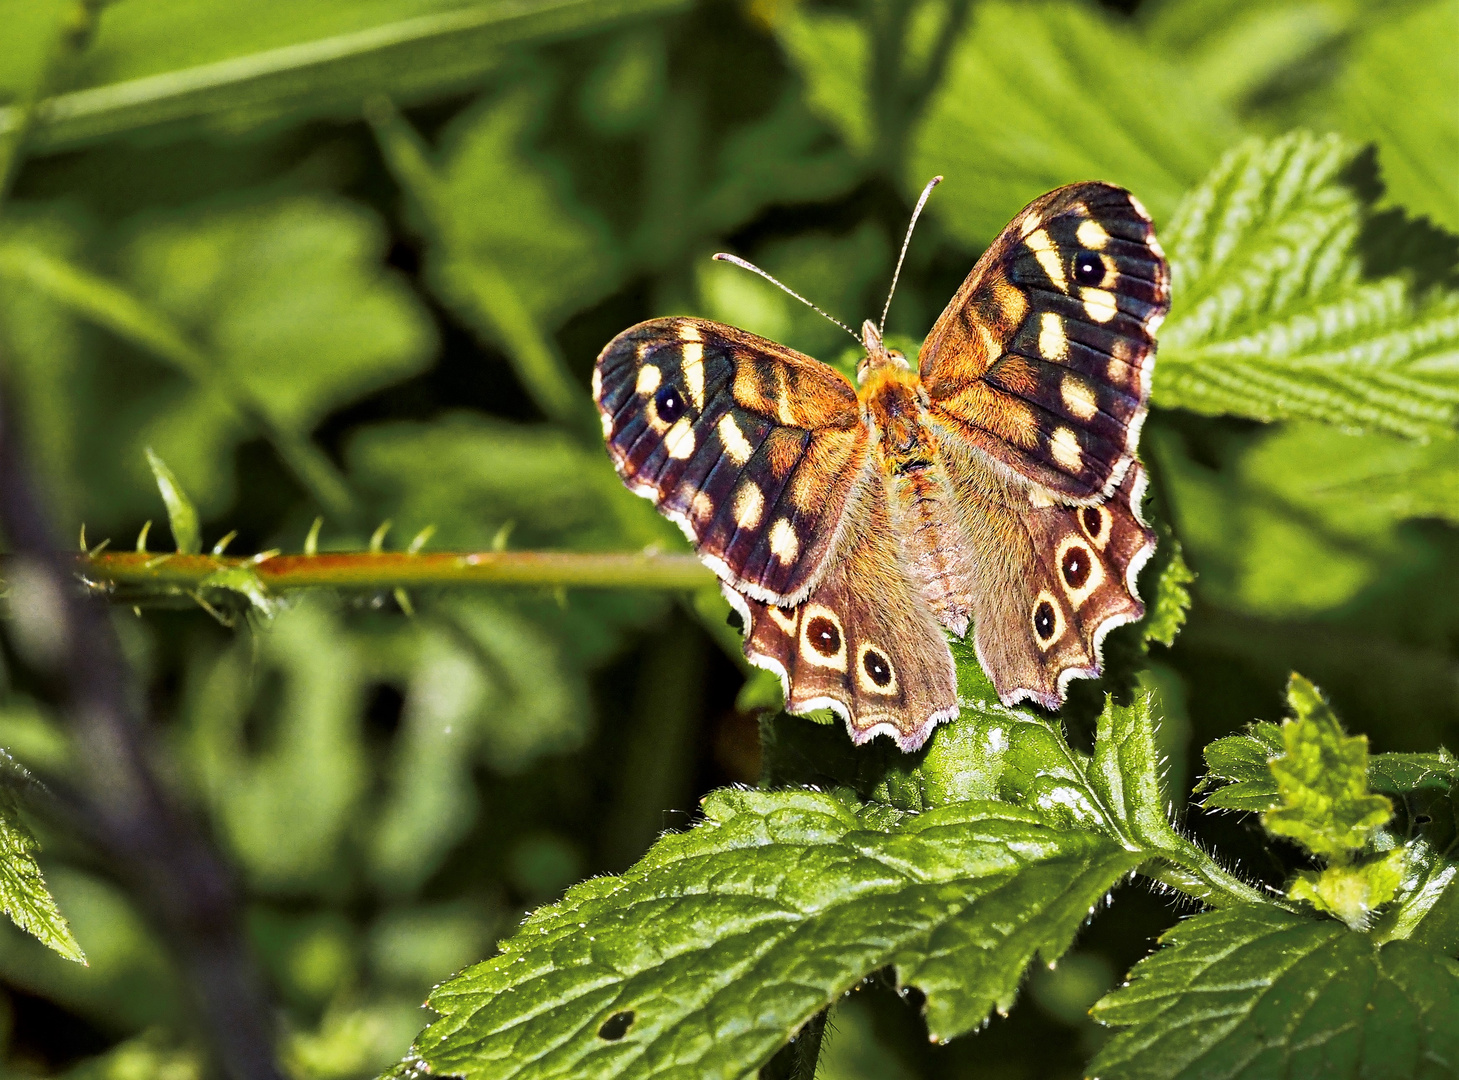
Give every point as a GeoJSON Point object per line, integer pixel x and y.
{"type": "Point", "coordinates": [357, 259]}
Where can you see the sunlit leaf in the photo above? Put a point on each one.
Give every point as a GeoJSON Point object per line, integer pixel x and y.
{"type": "Point", "coordinates": [762, 916]}
{"type": "Point", "coordinates": [1399, 90]}
{"type": "Point", "coordinates": [1271, 317]}
{"type": "Point", "coordinates": [23, 893]}
{"type": "Point", "coordinates": [1253, 991]}
{"type": "Point", "coordinates": [1083, 100]}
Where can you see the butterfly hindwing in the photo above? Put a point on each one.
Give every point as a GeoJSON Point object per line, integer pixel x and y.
{"type": "Point", "coordinates": [1051, 579]}
{"type": "Point", "coordinates": [753, 448]}
{"type": "Point", "coordinates": [1042, 360]}
{"type": "Point", "coordinates": [864, 643]}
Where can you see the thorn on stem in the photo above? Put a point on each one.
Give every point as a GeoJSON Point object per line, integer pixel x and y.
{"type": "Point", "coordinates": [377, 538]}
{"type": "Point", "coordinates": [311, 542]}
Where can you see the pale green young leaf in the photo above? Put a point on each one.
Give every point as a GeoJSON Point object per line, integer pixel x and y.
{"type": "Point", "coordinates": [1271, 317]}
{"type": "Point", "coordinates": [759, 918]}
{"type": "Point", "coordinates": [1399, 90]}
{"type": "Point", "coordinates": [1322, 781]}
{"type": "Point", "coordinates": [182, 516]}
{"type": "Point", "coordinates": [1085, 99]}
{"type": "Point", "coordinates": [1352, 892]}
{"type": "Point", "coordinates": [23, 893]}
{"type": "Point", "coordinates": [1254, 992]}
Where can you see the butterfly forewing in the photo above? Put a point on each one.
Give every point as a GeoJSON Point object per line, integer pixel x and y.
{"type": "Point", "coordinates": [753, 448]}
{"type": "Point", "coordinates": [1042, 360]}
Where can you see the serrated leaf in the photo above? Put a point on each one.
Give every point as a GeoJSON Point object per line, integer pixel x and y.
{"type": "Point", "coordinates": [1167, 611]}
{"type": "Point", "coordinates": [1352, 892]}
{"type": "Point", "coordinates": [1239, 762]}
{"type": "Point", "coordinates": [709, 954]}
{"type": "Point", "coordinates": [1254, 992]}
{"type": "Point", "coordinates": [23, 893]}
{"type": "Point", "coordinates": [1399, 91]}
{"type": "Point", "coordinates": [182, 516]}
{"type": "Point", "coordinates": [1271, 317]}
{"type": "Point", "coordinates": [1084, 99]}
{"type": "Point", "coordinates": [1322, 781]}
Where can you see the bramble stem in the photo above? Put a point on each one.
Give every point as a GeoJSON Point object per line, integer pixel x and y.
{"type": "Point", "coordinates": [136, 575]}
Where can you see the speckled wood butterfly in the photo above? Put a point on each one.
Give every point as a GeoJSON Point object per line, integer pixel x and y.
{"type": "Point", "coordinates": [994, 482]}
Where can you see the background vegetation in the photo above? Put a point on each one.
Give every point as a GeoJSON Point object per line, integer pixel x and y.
{"type": "Point", "coordinates": [356, 259]}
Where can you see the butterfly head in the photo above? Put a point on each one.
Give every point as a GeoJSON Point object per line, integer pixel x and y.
{"type": "Point", "coordinates": [878, 356]}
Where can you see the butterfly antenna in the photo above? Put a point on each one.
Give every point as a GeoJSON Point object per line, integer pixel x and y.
{"type": "Point", "coordinates": [723, 256]}
{"type": "Point", "coordinates": [906, 241]}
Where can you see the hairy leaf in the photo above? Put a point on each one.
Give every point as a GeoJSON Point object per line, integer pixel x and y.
{"type": "Point", "coordinates": [1322, 780]}
{"type": "Point", "coordinates": [1167, 612]}
{"type": "Point", "coordinates": [23, 893]}
{"type": "Point", "coordinates": [1271, 317]}
{"type": "Point", "coordinates": [711, 952]}
{"type": "Point", "coordinates": [1254, 992]}
{"type": "Point", "coordinates": [1239, 763]}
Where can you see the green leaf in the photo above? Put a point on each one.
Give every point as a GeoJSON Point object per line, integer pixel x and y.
{"type": "Point", "coordinates": [1352, 892]}
{"type": "Point", "coordinates": [295, 305]}
{"type": "Point", "coordinates": [1322, 781]}
{"type": "Point", "coordinates": [1167, 611]}
{"type": "Point", "coordinates": [1240, 763]}
{"type": "Point", "coordinates": [756, 920]}
{"type": "Point", "coordinates": [188, 67]}
{"type": "Point", "coordinates": [1084, 99]}
{"type": "Point", "coordinates": [1398, 90]}
{"type": "Point", "coordinates": [1271, 318]}
{"type": "Point", "coordinates": [1255, 992]}
{"type": "Point", "coordinates": [182, 516]}
{"type": "Point", "coordinates": [831, 51]}
{"type": "Point", "coordinates": [23, 893]}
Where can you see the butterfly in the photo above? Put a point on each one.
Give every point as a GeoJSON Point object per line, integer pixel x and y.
{"type": "Point", "coordinates": [994, 483]}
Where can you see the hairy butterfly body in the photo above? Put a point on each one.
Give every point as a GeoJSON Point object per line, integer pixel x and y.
{"type": "Point", "coordinates": [993, 485]}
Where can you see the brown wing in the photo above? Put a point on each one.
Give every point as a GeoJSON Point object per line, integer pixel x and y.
{"type": "Point", "coordinates": [1042, 360]}
{"type": "Point", "coordinates": [1051, 580]}
{"type": "Point", "coordinates": [864, 644]}
{"type": "Point", "coordinates": [752, 448]}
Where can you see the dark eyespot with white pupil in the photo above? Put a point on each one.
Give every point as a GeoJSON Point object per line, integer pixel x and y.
{"type": "Point", "coordinates": [1043, 620]}
{"type": "Point", "coordinates": [878, 668]}
{"type": "Point", "coordinates": [1075, 567]}
{"type": "Point", "coordinates": [669, 403]}
{"type": "Point", "coordinates": [1088, 268]}
{"type": "Point", "coordinates": [1092, 522]}
{"type": "Point", "coordinates": [823, 636]}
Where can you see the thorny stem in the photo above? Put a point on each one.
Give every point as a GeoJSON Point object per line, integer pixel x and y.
{"type": "Point", "coordinates": [141, 575]}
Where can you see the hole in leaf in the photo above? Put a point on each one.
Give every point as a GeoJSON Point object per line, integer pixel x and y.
{"type": "Point", "coordinates": [1421, 819]}
{"type": "Point", "coordinates": [616, 1026]}
{"type": "Point", "coordinates": [914, 997]}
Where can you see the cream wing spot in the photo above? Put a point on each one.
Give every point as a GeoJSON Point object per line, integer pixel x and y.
{"type": "Point", "coordinates": [1039, 499]}
{"type": "Point", "coordinates": [649, 378]}
{"type": "Point", "coordinates": [1091, 234]}
{"type": "Point", "coordinates": [1078, 397]}
{"type": "Point", "coordinates": [692, 362]}
{"type": "Point", "coordinates": [680, 439]}
{"type": "Point", "coordinates": [784, 544]}
{"type": "Point", "coordinates": [1064, 445]}
{"type": "Point", "coordinates": [701, 508]}
{"type": "Point", "coordinates": [1043, 250]}
{"type": "Point", "coordinates": [749, 505]}
{"type": "Point", "coordinates": [1029, 224]}
{"type": "Point", "coordinates": [784, 618]}
{"type": "Point", "coordinates": [735, 443]}
{"type": "Point", "coordinates": [1099, 304]}
{"type": "Point", "coordinates": [1053, 342]}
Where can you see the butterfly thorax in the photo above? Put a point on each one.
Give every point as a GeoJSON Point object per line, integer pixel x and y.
{"type": "Point", "coordinates": [929, 531]}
